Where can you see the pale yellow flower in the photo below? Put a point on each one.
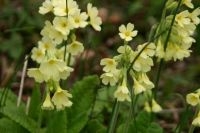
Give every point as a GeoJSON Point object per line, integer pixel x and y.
{"type": "Point", "coordinates": [60, 8]}
{"type": "Point", "coordinates": [175, 52]}
{"type": "Point", "coordinates": [95, 20]}
{"type": "Point", "coordinates": [75, 48]}
{"type": "Point", "coordinates": [66, 73]}
{"type": "Point", "coordinates": [148, 51]}
{"type": "Point", "coordinates": [192, 99]}
{"type": "Point", "coordinates": [183, 18]}
{"type": "Point", "coordinates": [155, 107]}
{"type": "Point", "coordinates": [60, 55]}
{"type": "Point", "coordinates": [62, 25]}
{"type": "Point", "coordinates": [47, 104]}
{"type": "Point", "coordinates": [37, 75]}
{"type": "Point", "coordinates": [138, 87]}
{"type": "Point", "coordinates": [196, 121]}
{"type": "Point", "coordinates": [50, 32]}
{"type": "Point", "coordinates": [109, 64]}
{"type": "Point", "coordinates": [47, 45]}
{"type": "Point", "coordinates": [144, 80]}
{"type": "Point", "coordinates": [125, 49]}
{"type": "Point", "coordinates": [122, 93]}
{"type": "Point", "coordinates": [46, 7]}
{"type": "Point", "coordinates": [61, 99]}
{"type": "Point", "coordinates": [52, 68]}
{"type": "Point", "coordinates": [188, 3]}
{"type": "Point", "coordinates": [79, 19]}
{"type": "Point", "coordinates": [194, 16]}
{"type": "Point", "coordinates": [142, 64]}
{"type": "Point", "coordinates": [127, 33]}
{"type": "Point", "coordinates": [109, 78]}
{"type": "Point", "coordinates": [38, 54]}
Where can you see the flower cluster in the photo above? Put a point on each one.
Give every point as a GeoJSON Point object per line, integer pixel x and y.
{"type": "Point", "coordinates": [116, 68]}
{"type": "Point", "coordinates": [194, 100]}
{"type": "Point", "coordinates": [181, 39]}
{"type": "Point", "coordinates": [58, 47]}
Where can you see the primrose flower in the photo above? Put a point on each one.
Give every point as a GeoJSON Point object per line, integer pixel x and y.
{"type": "Point", "coordinates": [109, 64]}
{"type": "Point", "coordinates": [138, 87]}
{"type": "Point", "coordinates": [78, 19]}
{"type": "Point", "coordinates": [109, 78]}
{"type": "Point", "coordinates": [95, 20]}
{"type": "Point", "coordinates": [36, 74]}
{"type": "Point", "coordinates": [127, 33]}
{"type": "Point", "coordinates": [155, 107]}
{"type": "Point", "coordinates": [144, 80]}
{"type": "Point", "coordinates": [194, 16]}
{"type": "Point", "coordinates": [52, 68]}
{"type": "Point", "coordinates": [196, 121]}
{"type": "Point", "coordinates": [193, 99]}
{"type": "Point", "coordinates": [60, 8]}
{"type": "Point", "coordinates": [75, 48]}
{"type": "Point", "coordinates": [61, 99]}
{"type": "Point", "coordinates": [183, 18]}
{"type": "Point", "coordinates": [125, 49]}
{"type": "Point", "coordinates": [142, 64]}
{"type": "Point", "coordinates": [46, 7]}
{"type": "Point", "coordinates": [188, 3]}
{"type": "Point", "coordinates": [47, 104]}
{"type": "Point", "coordinates": [47, 45]}
{"type": "Point", "coordinates": [50, 32]}
{"type": "Point", "coordinates": [66, 72]}
{"type": "Point", "coordinates": [62, 25]}
{"type": "Point", "coordinates": [148, 51]}
{"type": "Point", "coordinates": [38, 54]}
{"type": "Point", "coordinates": [122, 93]}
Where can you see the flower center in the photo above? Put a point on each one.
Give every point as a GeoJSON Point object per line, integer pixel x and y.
{"type": "Point", "coordinates": [127, 33]}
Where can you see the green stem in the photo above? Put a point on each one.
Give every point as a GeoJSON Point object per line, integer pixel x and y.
{"type": "Point", "coordinates": [69, 59]}
{"type": "Point", "coordinates": [192, 127]}
{"type": "Point", "coordinates": [137, 56]}
{"type": "Point", "coordinates": [115, 113]}
{"type": "Point", "coordinates": [2, 96]}
{"type": "Point", "coordinates": [165, 46]}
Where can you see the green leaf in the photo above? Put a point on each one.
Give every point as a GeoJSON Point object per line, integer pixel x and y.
{"type": "Point", "coordinates": [35, 104]}
{"type": "Point", "coordinates": [94, 126]}
{"type": "Point", "coordinates": [13, 46]}
{"type": "Point", "coordinates": [18, 115]}
{"type": "Point", "coordinates": [142, 124]}
{"type": "Point", "coordinates": [11, 98]}
{"type": "Point", "coordinates": [57, 122]}
{"type": "Point", "coordinates": [154, 128]}
{"type": "Point", "coordinates": [83, 96]}
{"type": "Point", "coordinates": [9, 126]}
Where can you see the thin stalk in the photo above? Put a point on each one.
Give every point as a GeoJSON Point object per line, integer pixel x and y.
{"type": "Point", "coordinates": [183, 118]}
{"type": "Point", "coordinates": [115, 113]}
{"type": "Point", "coordinates": [192, 127]}
{"type": "Point", "coordinates": [22, 82]}
{"type": "Point", "coordinates": [165, 45]}
{"type": "Point", "coordinates": [2, 96]}
{"type": "Point", "coordinates": [69, 59]}
{"type": "Point", "coordinates": [5, 96]}
{"type": "Point", "coordinates": [137, 56]}
{"type": "Point", "coordinates": [28, 105]}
